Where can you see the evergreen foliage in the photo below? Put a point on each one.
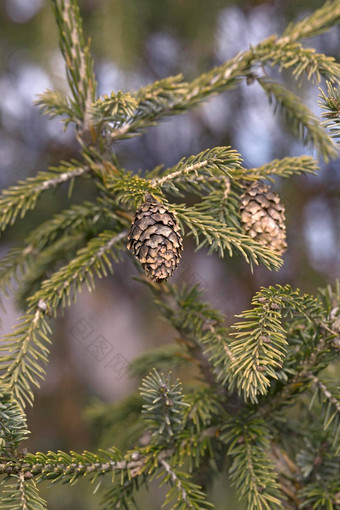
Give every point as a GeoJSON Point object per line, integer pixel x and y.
{"type": "Point", "coordinates": [253, 375]}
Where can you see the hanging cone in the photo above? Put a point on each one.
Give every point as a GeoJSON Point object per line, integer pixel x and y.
{"type": "Point", "coordinates": [263, 217]}
{"type": "Point", "coordinates": [155, 239]}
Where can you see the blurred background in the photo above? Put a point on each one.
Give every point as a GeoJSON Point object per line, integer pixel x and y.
{"type": "Point", "coordinates": [135, 42]}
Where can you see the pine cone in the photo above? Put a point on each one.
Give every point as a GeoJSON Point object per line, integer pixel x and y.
{"type": "Point", "coordinates": [263, 216]}
{"type": "Point", "coordinates": [155, 239]}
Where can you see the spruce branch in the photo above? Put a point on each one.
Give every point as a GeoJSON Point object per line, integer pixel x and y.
{"type": "Point", "coordinates": [285, 168]}
{"type": "Point", "coordinates": [211, 162]}
{"type": "Point", "coordinates": [22, 353]}
{"type": "Point", "coordinates": [173, 96]}
{"type": "Point", "coordinates": [228, 188]}
{"type": "Point", "coordinates": [163, 408]}
{"type": "Point", "coordinates": [55, 104]}
{"type": "Point", "coordinates": [79, 64]}
{"type": "Point", "coordinates": [279, 347]}
{"type": "Point", "coordinates": [302, 122]}
{"type": "Point", "coordinates": [112, 111]}
{"type": "Point", "coordinates": [159, 358]}
{"type": "Point", "coordinates": [330, 401]}
{"type": "Point", "coordinates": [217, 235]}
{"type": "Point", "coordinates": [131, 189]}
{"type": "Point", "coordinates": [62, 466]}
{"type": "Point", "coordinates": [188, 94]}
{"type": "Point", "coordinates": [13, 265]}
{"type": "Point", "coordinates": [221, 238]}
{"type": "Point", "coordinates": [252, 471]}
{"type": "Point", "coordinates": [205, 167]}
{"type": "Point", "coordinates": [330, 102]}
{"type": "Point", "coordinates": [62, 228]}
{"type": "Point", "coordinates": [223, 203]}
{"type": "Point", "coordinates": [27, 347]}
{"type": "Point", "coordinates": [204, 410]}
{"type": "Point", "coordinates": [203, 334]}
{"type": "Point", "coordinates": [222, 198]}
{"type": "Point", "coordinates": [261, 340]}
{"type": "Point", "coordinates": [127, 472]}
{"type": "Point", "coordinates": [304, 360]}
{"type": "Point", "coordinates": [94, 259]}
{"type": "Point", "coordinates": [121, 420]}
{"type": "Point", "coordinates": [13, 427]}
{"type": "Point", "coordinates": [319, 21]}
{"type": "Point", "coordinates": [184, 495]}
{"type": "Point", "coordinates": [319, 465]}
{"type": "Point", "coordinates": [19, 199]}
{"type": "Point", "coordinates": [21, 493]}
{"type": "Point", "coordinates": [159, 99]}
{"type": "Point", "coordinates": [303, 62]}
{"type": "Point", "coordinates": [44, 263]}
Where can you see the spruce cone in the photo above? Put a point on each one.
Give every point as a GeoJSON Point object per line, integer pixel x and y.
{"type": "Point", "coordinates": [263, 216]}
{"type": "Point", "coordinates": [155, 239]}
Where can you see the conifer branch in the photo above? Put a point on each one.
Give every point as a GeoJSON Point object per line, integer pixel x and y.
{"type": "Point", "coordinates": [163, 405]}
{"type": "Point", "coordinates": [27, 347]}
{"type": "Point", "coordinates": [318, 461]}
{"type": "Point", "coordinates": [252, 471]}
{"type": "Point", "coordinates": [13, 426]}
{"type": "Point", "coordinates": [69, 467]}
{"type": "Point", "coordinates": [184, 495]}
{"type": "Point", "coordinates": [319, 21]}
{"type": "Point", "coordinates": [13, 265]}
{"type": "Point", "coordinates": [223, 203]}
{"type": "Point", "coordinates": [221, 238]}
{"type": "Point", "coordinates": [162, 102]}
{"type": "Point", "coordinates": [330, 401]}
{"type": "Point", "coordinates": [261, 340]}
{"type": "Point", "coordinates": [63, 286]}
{"type": "Point", "coordinates": [330, 102]}
{"type": "Point", "coordinates": [303, 123]}
{"type": "Point", "coordinates": [304, 62]}
{"type": "Point", "coordinates": [216, 235]}
{"type": "Point", "coordinates": [285, 167]}
{"type": "Point", "coordinates": [44, 263]}
{"type": "Point", "coordinates": [19, 199]}
{"type": "Point", "coordinates": [22, 353]}
{"type": "Point", "coordinates": [79, 64]}
{"type": "Point", "coordinates": [173, 96]}
{"type": "Point", "coordinates": [113, 110]}
{"type": "Point", "coordinates": [62, 226]}
{"type": "Point", "coordinates": [125, 470]}
{"type": "Point", "coordinates": [159, 358]}
{"type": "Point", "coordinates": [54, 104]}
{"type": "Point", "coordinates": [201, 327]}
{"type": "Point", "coordinates": [220, 160]}
{"type": "Point", "coordinates": [222, 198]}
{"type": "Point", "coordinates": [297, 379]}
{"type": "Point", "coordinates": [121, 420]}
{"type": "Point", "coordinates": [21, 494]}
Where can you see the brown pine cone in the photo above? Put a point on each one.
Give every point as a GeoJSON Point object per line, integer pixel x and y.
{"type": "Point", "coordinates": [155, 239]}
{"type": "Point", "coordinates": [263, 216]}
